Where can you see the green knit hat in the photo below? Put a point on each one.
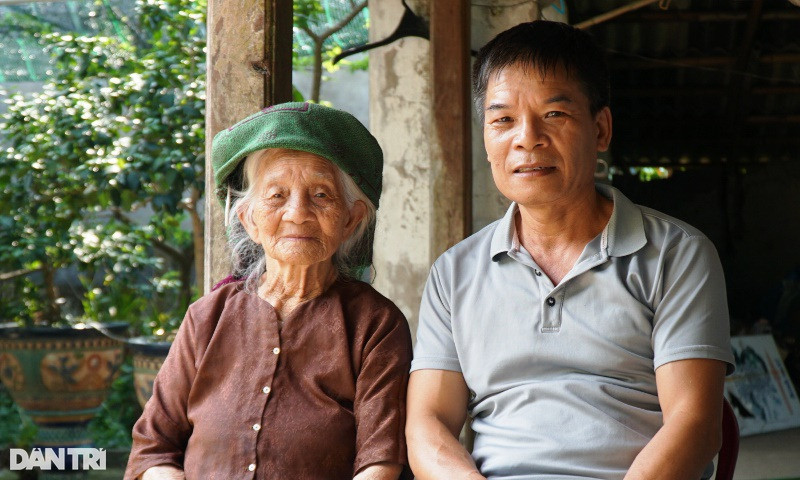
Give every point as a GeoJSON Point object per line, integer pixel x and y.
{"type": "Point", "coordinates": [308, 127]}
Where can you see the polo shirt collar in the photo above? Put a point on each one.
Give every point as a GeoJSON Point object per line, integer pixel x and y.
{"type": "Point", "coordinates": [503, 236]}
{"type": "Point", "coordinates": [623, 235]}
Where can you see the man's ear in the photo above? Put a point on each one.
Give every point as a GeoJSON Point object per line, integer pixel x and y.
{"type": "Point", "coordinates": [603, 123]}
{"type": "Point", "coordinates": [357, 212]}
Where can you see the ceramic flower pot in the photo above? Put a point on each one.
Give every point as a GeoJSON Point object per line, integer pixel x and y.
{"type": "Point", "coordinates": [59, 377]}
{"type": "Point", "coordinates": [148, 356]}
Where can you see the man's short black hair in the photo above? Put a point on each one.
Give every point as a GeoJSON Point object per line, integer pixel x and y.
{"type": "Point", "coordinates": [545, 45]}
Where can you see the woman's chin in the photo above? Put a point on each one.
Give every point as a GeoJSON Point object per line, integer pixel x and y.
{"type": "Point", "coordinates": [301, 258]}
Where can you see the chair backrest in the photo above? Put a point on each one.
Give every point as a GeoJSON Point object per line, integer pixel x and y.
{"type": "Point", "coordinates": [726, 460]}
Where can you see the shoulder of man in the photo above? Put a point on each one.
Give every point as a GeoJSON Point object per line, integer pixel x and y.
{"type": "Point", "coordinates": [673, 228]}
{"type": "Point", "coordinates": [475, 245]}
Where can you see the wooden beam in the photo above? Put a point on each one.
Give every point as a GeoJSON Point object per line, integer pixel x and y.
{"type": "Point", "coordinates": [647, 92]}
{"type": "Point", "coordinates": [619, 63]}
{"type": "Point", "coordinates": [777, 90]}
{"type": "Point", "coordinates": [779, 119]}
{"type": "Point", "coordinates": [739, 88]}
{"type": "Point", "coordinates": [780, 58]}
{"type": "Point", "coordinates": [678, 16]}
{"type": "Point", "coordinates": [604, 17]}
{"type": "Point", "coordinates": [249, 67]}
{"type": "Point", "coordinates": [676, 123]}
{"type": "Point", "coordinates": [452, 116]}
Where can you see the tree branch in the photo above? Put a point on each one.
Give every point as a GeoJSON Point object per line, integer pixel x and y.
{"type": "Point", "coordinates": [344, 21]}
{"type": "Point", "coordinates": [17, 273]}
{"type": "Point", "coordinates": [174, 253]}
{"type": "Point", "coordinates": [310, 33]}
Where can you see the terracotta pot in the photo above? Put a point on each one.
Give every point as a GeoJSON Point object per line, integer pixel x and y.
{"type": "Point", "coordinates": [148, 356]}
{"type": "Point", "coordinates": [59, 377]}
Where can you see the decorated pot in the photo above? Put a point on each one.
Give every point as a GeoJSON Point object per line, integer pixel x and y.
{"type": "Point", "coordinates": [59, 377]}
{"type": "Point", "coordinates": [148, 356]}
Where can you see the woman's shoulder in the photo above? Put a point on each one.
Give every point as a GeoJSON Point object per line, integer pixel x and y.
{"type": "Point", "coordinates": [362, 295]}
{"type": "Point", "coordinates": [215, 302]}
{"type": "Point", "coordinates": [373, 319]}
{"type": "Point", "coordinates": [367, 310]}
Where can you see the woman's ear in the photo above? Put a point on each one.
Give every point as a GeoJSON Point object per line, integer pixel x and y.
{"type": "Point", "coordinates": [357, 212]}
{"type": "Point", "coordinates": [244, 213]}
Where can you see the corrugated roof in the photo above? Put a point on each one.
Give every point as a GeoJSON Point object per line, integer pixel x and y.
{"type": "Point", "coordinates": [706, 81]}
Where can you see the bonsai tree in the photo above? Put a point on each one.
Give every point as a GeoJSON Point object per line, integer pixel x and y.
{"type": "Point", "coordinates": [102, 171]}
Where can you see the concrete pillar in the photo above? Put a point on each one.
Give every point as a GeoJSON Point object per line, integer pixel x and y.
{"type": "Point", "coordinates": [249, 68]}
{"type": "Point", "coordinates": [401, 120]}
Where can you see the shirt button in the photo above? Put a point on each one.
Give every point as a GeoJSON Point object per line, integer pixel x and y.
{"type": "Point", "coordinates": [256, 427]}
{"type": "Point", "coordinates": [276, 350]}
{"type": "Point", "coordinates": [537, 272]}
{"type": "Point", "coordinates": [252, 467]}
{"type": "Point", "coordinates": [551, 301]}
{"type": "Point", "coordinates": [266, 389]}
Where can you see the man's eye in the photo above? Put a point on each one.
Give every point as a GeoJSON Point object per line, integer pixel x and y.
{"type": "Point", "coordinates": [554, 114]}
{"type": "Point", "coordinates": [502, 120]}
{"type": "Point", "coordinates": [276, 195]}
{"type": "Point", "coordinates": [321, 195]}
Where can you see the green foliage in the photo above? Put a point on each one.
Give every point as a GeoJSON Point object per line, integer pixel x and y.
{"type": "Point", "coordinates": [16, 428]}
{"type": "Point", "coordinates": [649, 174]}
{"type": "Point", "coordinates": [103, 169]}
{"type": "Point", "coordinates": [111, 427]}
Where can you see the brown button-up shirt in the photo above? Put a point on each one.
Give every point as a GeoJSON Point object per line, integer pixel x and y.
{"type": "Point", "coordinates": [239, 396]}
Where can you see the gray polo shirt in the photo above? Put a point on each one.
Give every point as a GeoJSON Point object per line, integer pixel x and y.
{"type": "Point", "coordinates": [562, 378]}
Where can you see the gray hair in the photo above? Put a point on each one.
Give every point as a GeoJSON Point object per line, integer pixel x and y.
{"type": "Point", "coordinates": [248, 257]}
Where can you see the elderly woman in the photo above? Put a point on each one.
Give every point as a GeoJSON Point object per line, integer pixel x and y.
{"type": "Point", "coordinates": [299, 370]}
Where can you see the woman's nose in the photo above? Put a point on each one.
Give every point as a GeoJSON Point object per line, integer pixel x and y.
{"type": "Point", "coordinates": [297, 208]}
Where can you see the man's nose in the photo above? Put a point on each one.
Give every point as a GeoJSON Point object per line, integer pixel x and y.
{"type": "Point", "coordinates": [530, 134]}
{"type": "Point", "coordinates": [298, 208]}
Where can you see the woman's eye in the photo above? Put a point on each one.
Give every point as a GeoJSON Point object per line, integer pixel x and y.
{"type": "Point", "coordinates": [321, 195]}
{"type": "Point", "coordinates": [503, 120]}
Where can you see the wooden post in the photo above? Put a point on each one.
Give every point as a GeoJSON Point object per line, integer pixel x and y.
{"type": "Point", "coordinates": [249, 67]}
{"type": "Point", "coordinates": [452, 116]}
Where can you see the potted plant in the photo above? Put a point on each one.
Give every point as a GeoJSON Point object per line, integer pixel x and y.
{"type": "Point", "coordinates": [101, 178]}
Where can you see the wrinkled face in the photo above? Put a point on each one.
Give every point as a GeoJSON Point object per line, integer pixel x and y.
{"type": "Point", "coordinates": [541, 138]}
{"type": "Point", "coordinates": [299, 214]}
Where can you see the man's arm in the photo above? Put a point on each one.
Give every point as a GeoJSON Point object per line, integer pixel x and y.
{"type": "Point", "coordinates": [437, 408]}
{"type": "Point", "coordinates": [380, 471]}
{"type": "Point", "coordinates": [690, 393]}
{"type": "Point", "coordinates": [163, 472]}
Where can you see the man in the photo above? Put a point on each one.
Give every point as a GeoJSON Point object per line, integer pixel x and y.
{"type": "Point", "coordinates": [586, 336]}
